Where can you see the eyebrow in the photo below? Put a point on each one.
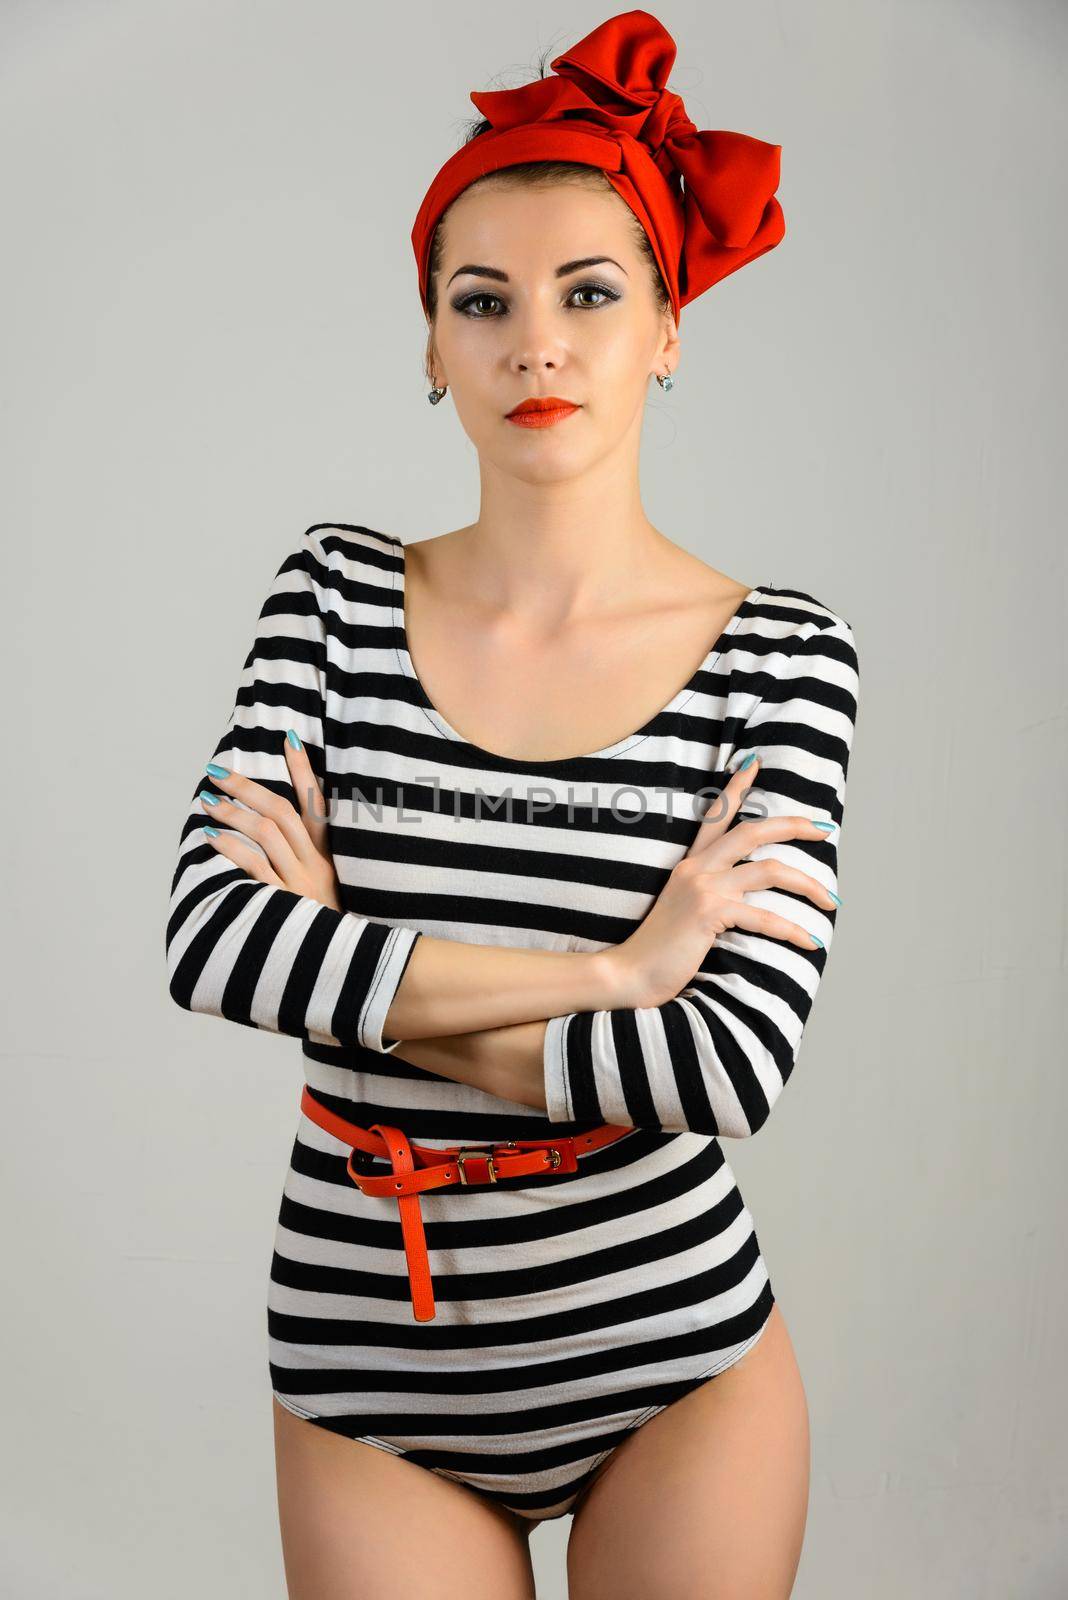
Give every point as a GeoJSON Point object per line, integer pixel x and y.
{"type": "Point", "coordinates": [561, 272]}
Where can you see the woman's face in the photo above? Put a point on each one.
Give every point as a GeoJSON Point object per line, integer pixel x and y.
{"type": "Point", "coordinates": [592, 335]}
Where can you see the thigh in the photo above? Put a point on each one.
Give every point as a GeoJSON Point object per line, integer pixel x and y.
{"type": "Point", "coordinates": [357, 1520]}
{"type": "Point", "coordinates": [709, 1497]}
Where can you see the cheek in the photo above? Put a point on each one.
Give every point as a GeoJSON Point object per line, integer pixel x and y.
{"type": "Point", "coordinates": [615, 354]}
{"type": "Point", "coordinates": [468, 349]}
{"type": "Point", "coordinates": [617, 380]}
{"type": "Point", "coordinates": [464, 350]}
{"type": "Point", "coordinates": [473, 366]}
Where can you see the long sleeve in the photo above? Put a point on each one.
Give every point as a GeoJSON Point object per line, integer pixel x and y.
{"type": "Point", "coordinates": [716, 1057]}
{"type": "Point", "coordinates": [253, 952]}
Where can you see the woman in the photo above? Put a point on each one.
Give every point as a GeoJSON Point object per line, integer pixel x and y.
{"type": "Point", "coordinates": [547, 924]}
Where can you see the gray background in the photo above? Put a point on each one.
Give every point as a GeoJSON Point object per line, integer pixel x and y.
{"type": "Point", "coordinates": [212, 340]}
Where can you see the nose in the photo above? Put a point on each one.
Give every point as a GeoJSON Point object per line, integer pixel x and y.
{"type": "Point", "coordinates": [536, 361]}
{"type": "Point", "coordinates": [537, 346]}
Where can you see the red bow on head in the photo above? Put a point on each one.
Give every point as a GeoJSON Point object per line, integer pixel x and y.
{"type": "Point", "coordinates": [705, 199]}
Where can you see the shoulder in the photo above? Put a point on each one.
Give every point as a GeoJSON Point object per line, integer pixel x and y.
{"type": "Point", "coordinates": [353, 551]}
{"type": "Point", "coordinates": [801, 624]}
{"type": "Point", "coordinates": [352, 568]}
{"type": "Point", "coordinates": [801, 649]}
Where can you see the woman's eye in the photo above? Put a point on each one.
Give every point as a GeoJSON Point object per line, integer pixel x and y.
{"type": "Point", "coordinates": [468, 304]}
{"type": "Point", "coordinates": [472, 299]}
{"type": "Point", "coordinates": [593, 288]}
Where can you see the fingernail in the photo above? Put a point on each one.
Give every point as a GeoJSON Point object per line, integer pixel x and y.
{"type": "Point", "coordinates": [293, 739]}
{"type": "Point", "coordinates": [748, 762]}
{"type": "Point", "coordinates": [216, 772]}
{"type": "Point", "coordinates": [834, 897]}
{"type": "Point", "coordinates": [213, 832]}
{"type": "Point", "coordinates": [826, 826]}
{"type": "Point", "coordinates": [818, 941]}
{"type": "Point", "coordinates": [209, 799]}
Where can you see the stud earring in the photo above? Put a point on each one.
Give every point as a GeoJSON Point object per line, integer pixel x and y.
{"type": "Point", "coordinates": [436, 394]}
{"type": "Point", "coordinates": [665, 380]}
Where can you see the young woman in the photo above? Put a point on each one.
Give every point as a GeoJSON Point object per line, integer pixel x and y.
{"type": "Point", "coordinates": [528, 831]}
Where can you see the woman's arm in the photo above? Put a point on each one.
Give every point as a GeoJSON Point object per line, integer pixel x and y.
{"type": "Point", "coordinates": [261, 954]}
{"type": "Point", "coordinates": [505, 1061]}
{"type": "Point", "coordinates": [451, 987]}
{"type": "Point", "coordinates": [715, 1057]}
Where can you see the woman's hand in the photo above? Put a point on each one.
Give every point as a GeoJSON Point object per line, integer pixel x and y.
{"type": "Point", "coordinates": [295, 852]}
{"type": "Point", "coordinates": [705, 895]}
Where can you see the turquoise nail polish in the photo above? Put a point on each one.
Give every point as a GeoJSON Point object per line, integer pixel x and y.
{"type": "Point", "coordinates": [213, 832]}
{"type": "Point", "coordinates": [818, 941]}
{"type": "Point", "coordinates": [216, 772]}
{"type": "Point", "coordinates": [826, 826]}
{"type": "Point", "coordinates": [209, 799]}
{"type": "Point", "coordinates": [294, 739]}
{"type": "Point", "coordinates": [748, 762]}
{"type": "Point", "coordinates": [834, 897]}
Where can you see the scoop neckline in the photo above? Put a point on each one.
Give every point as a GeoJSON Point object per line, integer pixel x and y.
{"type": "Point", "coordinates": [617, 747]}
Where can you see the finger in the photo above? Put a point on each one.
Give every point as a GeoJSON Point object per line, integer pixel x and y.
{"type": "Point", "coordinates": [242, 855]}
{"type": "Point", "coordinates": [723, 806]}
{"type": "Point", "coordinates": [264, 831]}
{"type": "Point", "coordinates": [262, 802]}
{"type": "Point", "coordinates": [769, 923]}
{"type": "Point", "coordinates": [741, 841]}
{"type": "Point", "coordinates": [773, 874]}
{"type": "Point", "coordinates": [308, 791]}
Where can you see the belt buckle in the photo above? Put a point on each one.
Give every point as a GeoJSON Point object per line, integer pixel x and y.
{"type": "Point", "coordinates": [466, 1153]}
{"type": "Point", "coordinates": [474, 1152]}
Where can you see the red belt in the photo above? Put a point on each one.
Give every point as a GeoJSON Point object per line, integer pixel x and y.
{"type": "Point", "coordinates": [417, 1167]}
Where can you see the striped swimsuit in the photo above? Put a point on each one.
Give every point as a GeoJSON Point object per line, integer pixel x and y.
{"type": "Point", "coordinates": [570, 1308]}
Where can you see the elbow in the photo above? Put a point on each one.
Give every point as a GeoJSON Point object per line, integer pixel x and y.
{"type": "Point", "coordinates": [178, 987]}
{"type": "Point", "coordinates": [763, 1090]}
{"type": "Point", "coordinates": [183, 965]}
{"type": "Point", "coordinates": [756, 1120]}
{"type": "Point", "coordinates": [196, 930]}
{"type": "Point", "coordinates": [178, 994]}
{"type": "Point", "coordinates": [738, 1123]}
{"type": "Point", "coordinates": [738, 1095]}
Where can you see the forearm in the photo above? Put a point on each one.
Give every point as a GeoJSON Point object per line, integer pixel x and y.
{"type": "Point", "coordinates": [506, 1062]}
{"type": "Point", "coordinates": [450, 987]}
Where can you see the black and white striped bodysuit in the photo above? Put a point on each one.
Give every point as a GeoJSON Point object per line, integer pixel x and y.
{"type": "Point", "coordinates": [573, 1307]}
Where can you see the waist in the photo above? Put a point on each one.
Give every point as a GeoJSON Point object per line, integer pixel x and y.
{"type": "Point", "coordinates": [415, 1168]}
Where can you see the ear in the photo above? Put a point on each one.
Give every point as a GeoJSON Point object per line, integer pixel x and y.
{"type": "Point", "coordinates": [435, 371]}
{"type": "Point", "coordinates": [669, 347]}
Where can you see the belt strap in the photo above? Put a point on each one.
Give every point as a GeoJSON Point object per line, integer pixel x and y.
{"type": "Point", "coordinates": [416, 1168]}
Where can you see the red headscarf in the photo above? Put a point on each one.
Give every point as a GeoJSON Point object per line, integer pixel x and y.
{"type": "Point", "coordinates": [706, 200]}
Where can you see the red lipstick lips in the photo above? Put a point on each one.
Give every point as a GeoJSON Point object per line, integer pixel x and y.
{"type": "Point", "coordinates": [542, 412]}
